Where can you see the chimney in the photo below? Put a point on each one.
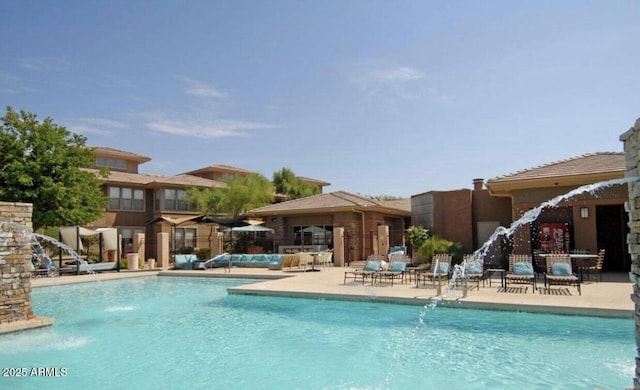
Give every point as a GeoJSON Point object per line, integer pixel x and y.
{"type": "Point", "coordinates": [478, 184]}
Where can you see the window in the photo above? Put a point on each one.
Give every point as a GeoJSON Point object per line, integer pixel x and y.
{"type": "Point", "coordinates": [111, 163]}
{"type": "Point", "coordinates": [127, 237]}
{"type": "Point", "coordinates": [172, 199]}
{"type": "Point", "coordinates": [185, 238]}
{"type": "Point", "coordinates": [126, 199]}
{"type": "Point", "coordinates": [313, 235]}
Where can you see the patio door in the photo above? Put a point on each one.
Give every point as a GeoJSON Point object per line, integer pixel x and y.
{"type": "Point", "coordinates": [612, 229]}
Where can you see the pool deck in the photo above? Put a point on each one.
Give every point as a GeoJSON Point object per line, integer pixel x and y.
{"type": "Point", "coordinates": [609, 298]}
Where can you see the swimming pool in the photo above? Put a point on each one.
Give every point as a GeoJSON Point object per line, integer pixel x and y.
{"type": "Point", "coordinates": [169, 332]}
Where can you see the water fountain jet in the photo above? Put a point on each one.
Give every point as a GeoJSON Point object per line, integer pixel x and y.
{"type": "Point", "coordinates": [528, 217]}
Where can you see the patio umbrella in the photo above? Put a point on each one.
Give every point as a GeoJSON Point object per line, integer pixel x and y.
{"type": "Point", "coordinates": [252, 228]}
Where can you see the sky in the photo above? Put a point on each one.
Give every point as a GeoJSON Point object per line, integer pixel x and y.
{"type": "Point", "coordinates": [375, 97]}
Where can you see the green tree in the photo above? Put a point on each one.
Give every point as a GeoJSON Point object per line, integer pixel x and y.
{"type": "Point", "coordinates": [286, 183]}
{"type": "Point", "coordinates": [246, 192]}
{"type": "Point", "coordinates": [209, 201]}
{"type": "Point", "coordinates": [416, 235]}
{"type": "Point", "coordinates": [40, 164]}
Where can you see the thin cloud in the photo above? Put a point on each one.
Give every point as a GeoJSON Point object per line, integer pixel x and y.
{"type": "Point", "coordinates": [198, 89]}
{"type": "Point", "coordinates": [215, 129]}
{"type": "Point", "coordinates": [397, 75]}
{"type": "Point", "coordinates": [97, 126]}
{"type": "Point", "coordinates": [39, 64]}
{"type": "Point", "coordinates": [378, 76]}
{"type": "Point", "coordinates": [12, 85]}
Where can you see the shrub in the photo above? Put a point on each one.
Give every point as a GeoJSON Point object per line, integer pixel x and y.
{"type": "Point", "coordinates": [203, 253]}
{"type": "Point", "coordinates": [416, 236]}
{"type": "Point", "coordinates": [436, 244]}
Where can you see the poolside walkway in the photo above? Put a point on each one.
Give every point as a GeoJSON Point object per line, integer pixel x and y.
{"type": "Point", "coordinates": [609, 298]}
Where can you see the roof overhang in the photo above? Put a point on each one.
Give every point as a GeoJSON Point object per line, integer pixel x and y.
{"type": "Point", "coordinates": [506, 187]}
{"type": "Point", "coordinates": [332, 210]}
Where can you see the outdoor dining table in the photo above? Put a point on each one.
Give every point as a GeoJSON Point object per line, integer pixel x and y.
{"type": "Point", "coordinates": [314, 262]}
{"type": "Point", "coordinates": [578, 261]}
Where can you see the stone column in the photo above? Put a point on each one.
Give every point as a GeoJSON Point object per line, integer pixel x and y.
{"type": "Point", "coordinates": [15, 260]}
{"type": "Point", "coordinates": [631, 140]}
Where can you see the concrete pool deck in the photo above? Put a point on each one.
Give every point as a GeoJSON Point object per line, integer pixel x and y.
{"type": "Point", "coordinates": [609, 298]}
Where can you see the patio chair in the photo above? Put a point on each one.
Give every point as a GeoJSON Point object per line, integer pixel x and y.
{"type": "Point", "coordinates": [520, 271]}
{"type": "Point", "coordinates": [325, 260]}
{"type": "Point", "coordinates": [440, 270]}
{"type": "Point", "coordinates": [540, 263]}
{"type": "Point", "coordinates": [595, 268]}
{"type": "Point", "coordinates": [560, 273]}
{"type": "Point", "coordinates": [396, 271]}
{"type": "Point", "coordinates": [306, 260]}
{"type": "Point", "coordinates": [370, 268]}
{"type": "Point", "coordinates": [473, 269]}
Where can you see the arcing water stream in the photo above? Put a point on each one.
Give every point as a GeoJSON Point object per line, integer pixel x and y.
{"type": "Point", "coordinates": [528, 217]}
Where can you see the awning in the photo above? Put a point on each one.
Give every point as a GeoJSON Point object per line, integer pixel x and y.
{"type": "Point", "coordinates": [70, 235]}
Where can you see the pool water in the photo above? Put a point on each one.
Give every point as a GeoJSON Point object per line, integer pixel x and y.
{"type": "Point", "coordinates": [167, 333]}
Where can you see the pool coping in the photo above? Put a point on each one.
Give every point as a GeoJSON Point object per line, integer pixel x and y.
{"type": "Point", "coordinates": [265, 289]}
{"type": "Point", "coordinates": [32, 323]}
{"type": "Point", "coordinates": [329, 285]}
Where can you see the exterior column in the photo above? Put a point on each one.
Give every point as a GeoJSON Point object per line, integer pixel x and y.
{"type": "Point", "coordinates": [383, 239]}
{"type": "Point", "coordinates": [338, 246]}
{"type": "Point", "coordinates": [138, 247]}
{"type": "Point", "coordinates": [162, 250]}
{"type": "Point", "coordinates": [15, 262]}
{"type": "Point", "coordinates": [631, 141]}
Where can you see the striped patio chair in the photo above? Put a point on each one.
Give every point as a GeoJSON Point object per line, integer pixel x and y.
{"type": "Point", "coordinates": [560, 272]}
{"type": "Point", "coordinates": [520, 271]}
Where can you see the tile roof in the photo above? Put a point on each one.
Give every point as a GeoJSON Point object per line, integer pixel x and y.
{"type": "Point", "coordinates": [146, 179]}
{"type": "Point", "coordinates": [586, 164]}
{"type": "Point", "coordinates": [105, 150]}
{"type": "Point", "coordinates": [331, 200]}
{"type": "Point", "coordinates": [312, 180]}
{"type": "Point", "coordinates": [221, 168]}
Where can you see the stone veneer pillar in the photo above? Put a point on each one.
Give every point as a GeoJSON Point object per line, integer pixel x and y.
{"type": "Point", "coordinates": [15, 258]}
{"type": "Point", "coordinates": [631, 140]}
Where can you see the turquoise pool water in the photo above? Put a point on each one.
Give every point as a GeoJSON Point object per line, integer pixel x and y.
{"type": "Point", "coordinates": [167, 333]}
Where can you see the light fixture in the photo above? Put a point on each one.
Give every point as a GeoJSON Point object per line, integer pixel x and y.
{"type": "Point", "coordinates": [584, 212]}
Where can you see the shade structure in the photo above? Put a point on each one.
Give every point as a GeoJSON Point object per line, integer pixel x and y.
{"type": "Point", "coordinates": [175, 221]}
{"type": "Point", "coordinates": [252, 228]}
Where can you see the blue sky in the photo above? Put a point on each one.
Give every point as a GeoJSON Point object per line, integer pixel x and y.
{"type": "Point", "coordinates": [375, 97]}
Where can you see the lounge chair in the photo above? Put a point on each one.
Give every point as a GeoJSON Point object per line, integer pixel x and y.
{"type": "Point", "coordinates": [440, 270]}
{"type": "Point", "coordinates": [370, 268]}
{"type": "Point", "coordinates": [473, 266]}
{"type": "Point", "coordinates": [520, 271]}
{"type": "Point", "coordinates": [218, 261]}
{"type": "Point", "coordinates": [72, 267]}
{"type": "Point", "coordinates": [396, 271]}
{"type": "Point", "coordinates": [184, 261]}
{"type": "Point", "coordinates": [44, 265]}
{"type": "Point", "coordinates": [560, 273]}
